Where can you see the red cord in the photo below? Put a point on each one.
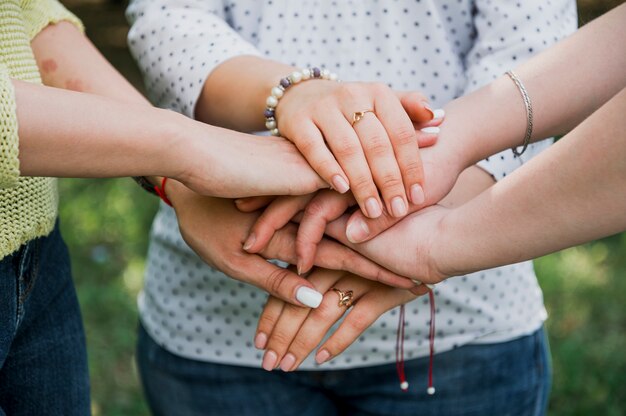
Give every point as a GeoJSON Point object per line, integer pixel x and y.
{"type": "Point", "coordinates": [404, 385]}
{"type": "Point", "coordinates": [161, 192]}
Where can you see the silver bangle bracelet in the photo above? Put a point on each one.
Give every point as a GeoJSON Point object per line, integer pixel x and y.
{"type": "Point", "coordinates": [529, 113]}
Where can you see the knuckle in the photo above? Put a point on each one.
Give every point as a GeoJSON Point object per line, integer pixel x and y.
{"type": "Point", "coordinates": [359, 321]}
{"type": "Point", "coordinates": [315, 209]}
{"type": "Point", "coordinates": [405, 136]}
{"type": "Point", "coordinates": [325, 312]}
{"type": "Point", "coordinates": [378, 145]}
{"type": "Point", "coordinates": [362, 185]}
{"type": "Point", "coordinates": [307, 144]}
{"type": "Point", "coordinates": [346, 147]}
{"type": "Point", "coordinates": [379, 88]}
{"type": "Point", "coordinates": [413, 170]}
{"type": "Point", "coordinates": [281, 338]}
{"type": "Point", "coordinates": [390, 181]}
{"type": "Point", "coordinates": [267, 320]}
{"type": "Point", "coordinates": [276, 280]}
{"type": "Point", "coordinates": [300, 345]}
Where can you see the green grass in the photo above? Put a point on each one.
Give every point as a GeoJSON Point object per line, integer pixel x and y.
{"type": "Point", "coordinates": [106, 225]}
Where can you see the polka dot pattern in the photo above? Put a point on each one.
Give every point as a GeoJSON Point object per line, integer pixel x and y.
{"type": "Point", "coordinates": [444, 48]}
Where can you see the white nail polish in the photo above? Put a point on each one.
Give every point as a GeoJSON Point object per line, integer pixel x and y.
{"type": "Point", "coordinates": [431, 287]}
{"type": "Point", "coordinates": [438, 113]}
{"type": "Point", "coordinates": [309, 297]}
{"type": "Point", "coordinates": [430, 130]}
{"type": "Point", "coordinates": [417, 282]}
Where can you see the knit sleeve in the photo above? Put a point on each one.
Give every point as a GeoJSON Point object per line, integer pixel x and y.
{"type": "Point", "coordinates": [40, 13]}
{"type": "Point", "coordinates": [9, 162]}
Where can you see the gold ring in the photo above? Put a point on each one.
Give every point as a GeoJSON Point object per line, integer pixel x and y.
{"type": "Point", "coordinates": [357, 116]}
{"type": "Point", "coordinates": [345, 298]}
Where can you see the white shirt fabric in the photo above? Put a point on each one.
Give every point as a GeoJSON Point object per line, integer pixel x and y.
{"type": "Point", "coordinates": [442, 48]}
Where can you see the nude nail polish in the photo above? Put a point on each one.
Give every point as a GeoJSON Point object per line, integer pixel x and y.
{"type": "Point", "coordinates": [357, 231]}
{"type": "Point", "coordinates": [372, 206]}
{"type": "Point", "coordinates": [287, 362]}
{"type": "Point", "coordinates": [260, 340]}
{"type": "Point", "coordinates": [340, 184]}
{"type": "Point", "coordinates": [249, 242]}
{"type": "Point", "coordinates": [417, 194]}
{"type": "Point", "coordinates": [322, 356]}
{"type": "Point", "coordinates": [398, 207]}
{"type": "Point", "coordinates": [269, 360]}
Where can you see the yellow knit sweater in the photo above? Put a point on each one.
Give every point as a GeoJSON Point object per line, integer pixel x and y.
{"type": "Point", "coordinates": [28, 206]}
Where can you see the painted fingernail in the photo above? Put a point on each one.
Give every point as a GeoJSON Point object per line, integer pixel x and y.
{"type": "Point", "coordinates": [430, 130]}
{"type": "Point", "coordinates": [438, 113]}
{"type": "Point", "coordinates": [372, 206]}
{"type": "Point", "coordinates": [322, 356]}
{"type": "Point", "coordinates": [431, 287]}
{"type": "Point", "coordinates": [309, 297]}
{"type": "Point", "coordinates": [340, 184]}
{"type": "Point", "coordinates": [417, 282]}
{"type": "Point", "coordinates": [249, 242]}
{"type": "Point", "coordinates": [299, 268]}
{"type": "Point", "coordinates": [287, 362]}
{"type": "Point", "coordinates": [269, 360]}
{"type": "Point", "coordinates": [398, 207]}
{"type": "Point", "coordinates": [260, 340]}
{"type": "Point", "coordinates": [357, 231]}
{"type": "Point", "coordinates": [417, 194]}
{"type": "Point", "coordinates": [427, 108]}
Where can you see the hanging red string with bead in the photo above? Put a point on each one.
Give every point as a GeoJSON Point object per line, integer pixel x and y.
{"type": "Point", "coordinates": [404, 385]}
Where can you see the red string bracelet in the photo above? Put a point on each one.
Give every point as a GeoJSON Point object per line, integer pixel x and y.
{"type": "Point", "coordinates": [160, 190]}
{"type": "Point", "coordinates": [404, 385]}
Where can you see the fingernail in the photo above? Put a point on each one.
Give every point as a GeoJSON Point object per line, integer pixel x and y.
{"type": "Point", "coordinates": [438, 113]}
{"type": "Point", "coordinates": [287, 362]}
{"type": "Point", "coordinates": [309, 297]}
{"type": "Point", "coordinates": [340, 184]}
{"type": "Point", "coordinates": [357, 231]}
{"type": "Point", "coordinates": [431, 287]}
{"type": "Point", "coordinates": [417, 282]}
{"type": "Point", "coordinates": [398, 207]}
{"type": "Point", "coordinates": [373, 208]}
{"type": "Point", "coordinates": [249, 242]}
{"type": "Point", "coordinates": [269, 360]}
{"type": "Point", "coordinates": [322, 356]}
{"type": "Point", "coordinates": [417, 194]}
{"type": "Point", "coordinates": [430, 130]}
{"type": "Point", "coordinates": [238, 201]}
{"type": "Point", "coordinates": [260, 340]}
{"type": "Point", "coordinates": [427, 108]}
{"type": "Point", "coordinates": [299, 268]}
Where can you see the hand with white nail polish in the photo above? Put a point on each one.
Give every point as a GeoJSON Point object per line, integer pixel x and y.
{"type": "Point", "coordinates": [277, 219]}
{"type": "Point", "coordinates": [289, 333]}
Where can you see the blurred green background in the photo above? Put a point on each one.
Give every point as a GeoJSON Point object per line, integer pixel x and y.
{"type": "Point", "coordinates": [106, 224]}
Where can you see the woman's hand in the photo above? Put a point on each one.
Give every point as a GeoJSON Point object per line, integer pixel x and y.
{"type": "Point", "coordinates": [289, 333]}
{"type": "Point", "coordinates": [215, 230]}
{"type": "Point", "coordinates": [378, 152]}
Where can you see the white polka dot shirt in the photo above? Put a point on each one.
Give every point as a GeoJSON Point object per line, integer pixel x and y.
{"type": "Point", "coordinates": [442, 48]}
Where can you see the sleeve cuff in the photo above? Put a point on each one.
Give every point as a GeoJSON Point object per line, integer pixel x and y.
{"type": "Point", "coordinates": [9, 148]}
{"type": "Point", "coordinates": [40, 13]}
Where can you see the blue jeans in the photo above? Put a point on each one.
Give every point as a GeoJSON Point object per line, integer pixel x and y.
{"type": "Point", "coordinates": [509, 378]}
{"type": "Point", "coordinates": [43, 360]}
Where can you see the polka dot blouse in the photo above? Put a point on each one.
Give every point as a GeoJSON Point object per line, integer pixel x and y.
{"type": "Point", "coordinates": [443, 48]}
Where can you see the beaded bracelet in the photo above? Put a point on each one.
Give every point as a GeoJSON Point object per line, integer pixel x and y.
{"type": "Point", "coordinates": [278, 91]}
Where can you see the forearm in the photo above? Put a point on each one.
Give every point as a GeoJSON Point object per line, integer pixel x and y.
{"type": "Point", "coordinates": [70, 134]}
{"type": "Point", "coordinates": [564, 84]}
{"type": "Point", "coordinates": [234, 94]}
{"type": "Point", "coordinates": [572, 193]}
{"type": "Point", "coordinates": [67, 59]}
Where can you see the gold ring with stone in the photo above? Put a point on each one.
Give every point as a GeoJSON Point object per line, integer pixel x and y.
{"type": "Point", "coordinates": [345, 298]}
{"type": "Point", "coordinates": [358, 115]}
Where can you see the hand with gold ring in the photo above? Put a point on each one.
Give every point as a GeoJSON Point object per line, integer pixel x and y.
{"type": "Point", "coordinates": [362, 137]}
{"type": "Point", "coordinates": [289, 333]}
